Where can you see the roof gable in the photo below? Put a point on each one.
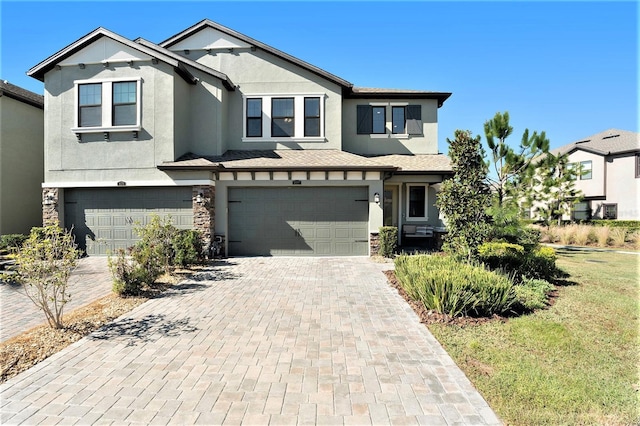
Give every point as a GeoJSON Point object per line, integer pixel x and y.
{"type": "Point", "coordinates": [105, 49]}
{"type": "Point", "coordinates": [225, 35]}
{"type": "Point", "coordinates": [210, 38]}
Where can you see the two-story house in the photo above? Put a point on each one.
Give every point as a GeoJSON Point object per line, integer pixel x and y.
{"type": "Point", "coordinates": [610, 175]}
{"type": "Point", "coordinates": [21, 158]}
{"type": "Point", "coordinates": [235, 138]}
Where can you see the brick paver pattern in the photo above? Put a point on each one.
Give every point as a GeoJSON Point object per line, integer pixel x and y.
{"type": "Point", "coordinates": [89, 281]}
{"type": "Point", "coordinates": [256, 341]}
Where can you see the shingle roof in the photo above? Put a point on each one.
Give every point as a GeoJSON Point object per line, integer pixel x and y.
{"type": "Point", "coordinates": [612, 141]}
{"type": "Point", "coordinates": [311, 159]}
{"type": "Point", "coordinates": [418, 163]}
{"type": "Point", "coordinates": [286, 159]}
{"type": "Point", "coordinates": [20, 94]}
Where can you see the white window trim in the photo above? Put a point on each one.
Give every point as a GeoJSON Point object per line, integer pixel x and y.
{"type": "Point", "coordinates": [298, 103]}
{"type": "Point", "coordinates": [426, 202]}
{"type": "Point", "coordinates": [107, 106]}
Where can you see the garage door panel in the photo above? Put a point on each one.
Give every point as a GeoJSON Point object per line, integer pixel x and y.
{"type": "Point", "coordinates": [298, 221]}
{"type": "Point", "coordinates": [109, 215]}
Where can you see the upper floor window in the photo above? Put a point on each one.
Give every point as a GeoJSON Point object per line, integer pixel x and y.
{"type": "Point", "coordinates": [282, 117]}
{"type": "Point", "coordinates": [312, 116]}
{"type": "Point", "coordinates": [581, 170]}
{"type": "Point", "coordinates": [254, 117]}
{"type": "Point", "coordinates": [405, 119]}
{"type": "Point", "coordinates": [269, 117]}
{"type": "Point", "coordinates": [417, 202]}
{"type": "Point", "coordinates": [638, 165]}
{"type": "Point", "coordinates": [90, 105]}
{"type": "Point", "coordinates": [107, 105]}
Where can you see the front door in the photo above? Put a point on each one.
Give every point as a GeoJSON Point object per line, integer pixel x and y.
{"type": "Point", "coordinates": [390, 206]}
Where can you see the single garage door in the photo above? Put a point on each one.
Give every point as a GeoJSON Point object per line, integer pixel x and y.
{"type": "Point", "coordinates": [298, 221]}
{"type": "Point", "coordinates": [103, 218]}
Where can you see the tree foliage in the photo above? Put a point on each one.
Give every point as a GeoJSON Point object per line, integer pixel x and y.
{"type": "Point", "coordinates": [552, 187]}
{"type": "Point", "coordinates": [511, 165]}
{"type": "Point", "coordinates": [44, 264]}
{"type": "Point", "coordinates": [465, 197]}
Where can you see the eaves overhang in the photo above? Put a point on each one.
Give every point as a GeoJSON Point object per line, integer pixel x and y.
{"type": "Point", "coordinates": [371, 93]}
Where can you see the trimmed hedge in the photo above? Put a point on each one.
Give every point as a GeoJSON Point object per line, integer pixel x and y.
{"type": "Point", "coordinates": [388, 240]}
{"type": "Point", "coordinates": [517, 262]}
{"type": "Point", "coordinates": [631, 224]}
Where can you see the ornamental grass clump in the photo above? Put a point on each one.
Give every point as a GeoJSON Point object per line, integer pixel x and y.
{"type": "Point", "coordinates": [454, 288]}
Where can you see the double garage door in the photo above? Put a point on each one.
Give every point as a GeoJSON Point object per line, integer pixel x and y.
{"type": "Point", "coordinates": [103, 219]}
{"type": "Point", "coordinates": [298, 221]}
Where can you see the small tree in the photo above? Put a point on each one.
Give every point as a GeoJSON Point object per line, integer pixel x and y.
{"type": "Point", "coordinates": [553, 187]}
{"type": "Point", "coordinates": [465, 197]}
{"type": "Point", "coordinates": [44, 264]}
{"type": "Point", "coordinates": [510, 165]}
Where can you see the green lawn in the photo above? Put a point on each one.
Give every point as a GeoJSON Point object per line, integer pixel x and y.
{"type": "Point", "coordinates": [573, 363]}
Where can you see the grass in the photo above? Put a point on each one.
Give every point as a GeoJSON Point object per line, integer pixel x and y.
{"type": "Point", "coordinates": [573, 363]}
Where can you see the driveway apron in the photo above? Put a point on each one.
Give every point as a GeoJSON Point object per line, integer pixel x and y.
{"type": "Point", "coordinates": [256, 341]}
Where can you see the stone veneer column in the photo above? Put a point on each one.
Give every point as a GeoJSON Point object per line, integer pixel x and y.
{"type": "Point", "coordinates": [204, 213]}
{"type": "Point", "coordinates": [50, 210]}
{"type": "Point", "coordinates": [374, 243]}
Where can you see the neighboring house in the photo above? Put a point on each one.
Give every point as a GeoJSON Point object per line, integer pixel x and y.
{"type": "Point", "coordinates": [21, 159]}
{"type": "Point", "coordinates": [235, 138]}
{"type": "Point", "coordinates": [610, 175]}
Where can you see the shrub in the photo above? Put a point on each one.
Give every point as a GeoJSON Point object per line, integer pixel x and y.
{"type": "Point", "coordinates": [540, 263]}
{"type": "Point", "coordinates": [566, 234]}
{"type": "Point", "coordinates": [532, 294]}
{"type": "Point", "coordinates": [127, 274]}
{"type": "Point", "coordinates": [499, 255]}
{"type": "Point", "coordinates": [154, 250]}
{"type": "Point", "coordinates": [12, 241]}
{"type": "Point", "coordinates": [388, 240]}
{"type": "Point", "coordinates": [630, 224]}
{"type": "Point", "coordinates": [44, 264]}
{"type": "Point", "coordinates": [454, 288]}
{"type": "Point", "coordinates": [187, 247]}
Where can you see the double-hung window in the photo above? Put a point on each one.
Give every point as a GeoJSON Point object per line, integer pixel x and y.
{"type": "Point", "coordinates": [312, 116]}
{"type": "Point", "coordinates": [90, 105]}
{"type": "Point", "coordinates": [296, 117]}
{"type": "Point", "coordinates": [417, 202]}
{"type": "Point", "coordinates": [108, 105]}
{"type": "Point", "coordinates": [254, 117]}
{"type": "Point", "coordinates": [282, 117]}
{"type": "Point", "coordinates": [585, 170]}
{"type": "Point", "coordinates": [397, 120]}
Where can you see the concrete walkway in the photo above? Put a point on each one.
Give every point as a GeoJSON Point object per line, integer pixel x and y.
{"type": "Point", "coordinates": [256, 341]}
{"type": "Point", "coordinates": [90, 281]}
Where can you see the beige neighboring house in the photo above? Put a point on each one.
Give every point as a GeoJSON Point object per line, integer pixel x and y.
{"type": "Point", "coordinates": [261, 151]}
{"type": "Point", "coordinates": [21, 159]}
{"type": "Point", "coordinates": [610, 180]}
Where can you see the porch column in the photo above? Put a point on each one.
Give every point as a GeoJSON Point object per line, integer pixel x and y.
{"type": "Point", "coordinates": [204, 212]}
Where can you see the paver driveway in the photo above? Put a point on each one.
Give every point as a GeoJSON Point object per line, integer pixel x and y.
{"type": "Point", "coordinates": [256, 341]}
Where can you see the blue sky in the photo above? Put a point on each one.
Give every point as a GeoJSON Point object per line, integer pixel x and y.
{"type": "Point", "coordinates": [568, 68]}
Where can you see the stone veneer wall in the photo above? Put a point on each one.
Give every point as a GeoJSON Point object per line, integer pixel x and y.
{"type": "Point", "coordinates": [374, 244]}
{"type": "Point", "coordinates": [50, 211]}
{"type": "Point", "coordinates": [204, 213]}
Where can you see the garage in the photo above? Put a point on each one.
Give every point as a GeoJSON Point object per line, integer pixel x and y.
{"type": "Point", "coordinates": [103, 218]}
{"type": "Point", "coordinates": [297, 221]}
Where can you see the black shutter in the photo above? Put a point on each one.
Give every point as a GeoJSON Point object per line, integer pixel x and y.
{"type": "Point", "coordinates": [365, 120]}
{"type": "Point", "coordinates": [414, 119]}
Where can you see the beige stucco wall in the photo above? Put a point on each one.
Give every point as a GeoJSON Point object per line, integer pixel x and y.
{"type": "Point", "coordinates": [21, 166]}
{"type": "Point", "coordinates": [594, 187]}
{"type": "Point", "coordinates": [623, 188]}
{"type": "Point", "coordinates": [390, 143]}
{"type": "Point", "coordinates": [259, 73]}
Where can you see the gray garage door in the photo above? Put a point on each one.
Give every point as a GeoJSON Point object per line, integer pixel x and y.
{"type": "Point", "coordinates": [103, 218]}
{"type": "Point", "coordinates": [298, 221]}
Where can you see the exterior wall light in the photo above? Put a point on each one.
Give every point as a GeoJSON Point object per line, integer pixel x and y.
{"type": "Point", "coordinates": [376, 198]}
